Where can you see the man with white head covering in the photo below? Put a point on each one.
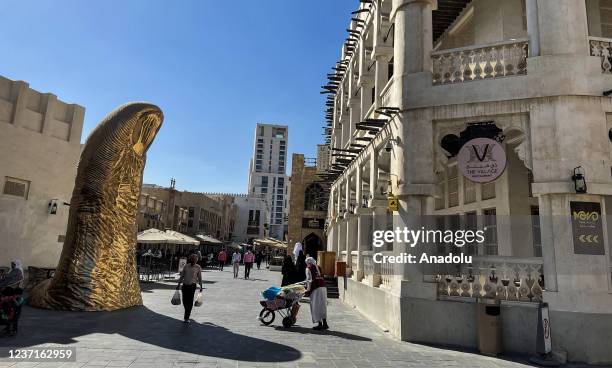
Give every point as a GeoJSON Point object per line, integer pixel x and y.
{"type": "Point", "coordinates": [297, 249]}
{"type": "Point", "coordinates": [14, 277]}
{"type": "Point", "coordinates": [315, 286]}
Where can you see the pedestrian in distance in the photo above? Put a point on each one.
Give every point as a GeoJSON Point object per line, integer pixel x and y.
{"type": "Point", "coordinates": [316, 290]}
{"type": "Point", "coordinates": [258, 259]}
{"type": "Point", "coordinates": [297, 248]}
{"type": "Point", "coordinates": [288, 270]}
{"type": "Point", "coordinates": [14, 277]}
{"type": "Point", "coordinates": [222, 258]}
{"type": "Point", "coordinates": [300, 266]}
{"type": "Point", "coordinates": [236, 257]}
{"type": "Point", "coordinates": [249, 258]}
{"type": "Point", "coordinates": [190, 276]}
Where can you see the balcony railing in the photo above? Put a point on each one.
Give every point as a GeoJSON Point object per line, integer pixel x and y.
{"type": "Point", "coordinates": [387, 272]}
{"type": "Point", "coordinates": [368, 263]}
{"type": "Point", "coordinates": [494, 277]}
{"type": "Point", "coordinates": [471, 63]}
{"type": "Point", "coordinates": [602, 47]}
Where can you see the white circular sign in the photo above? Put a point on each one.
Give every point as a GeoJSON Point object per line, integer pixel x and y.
{"type": "Point", "coordinates": [482, 160]}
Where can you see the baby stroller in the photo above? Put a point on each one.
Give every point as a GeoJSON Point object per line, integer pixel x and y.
{"type": "Point", "coordinates": [283, 300]}
{"type": "Point", "coordinates": [11, 300]}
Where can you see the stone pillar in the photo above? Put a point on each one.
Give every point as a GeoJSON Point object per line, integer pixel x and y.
{"type": "Point", "coordinates": [366, 98]}
{"type": "Point", "coordinates": [413, 35]}
{"type": "Point", "coordinates": [563, 27]}
{"type": "Point", "coordinates": [533, 29]}
{"type": "Point", "coordinates": [349, 217]}
{"type": "Point", "coordinates": [358, 273]}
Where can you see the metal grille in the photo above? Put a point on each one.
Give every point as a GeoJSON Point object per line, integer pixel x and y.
{"type": "Point", "coordinates": [16, 187]}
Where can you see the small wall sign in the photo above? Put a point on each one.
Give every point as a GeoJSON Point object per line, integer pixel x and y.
{"type": "Point", "coordinates": [482, 160]}
{"type": "Point", "coordinates": [587, 228]}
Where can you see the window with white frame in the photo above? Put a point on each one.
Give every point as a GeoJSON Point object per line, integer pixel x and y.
{"type": "Point", "coordinates": [453, 186]}
{"type": "Point", "coordinates": [469, 191]}
{"type": "Point", "coordinates": [490, 232]}
{"type": "Point", "coordinates": [487, 190]}
{"type": "Point", "coordinates": [440, 183]}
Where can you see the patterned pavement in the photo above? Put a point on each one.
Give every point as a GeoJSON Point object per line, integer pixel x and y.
{"type": "Point", "coordinates": [225, 333]}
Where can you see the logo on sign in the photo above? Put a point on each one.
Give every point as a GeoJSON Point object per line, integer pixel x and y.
{"type": "Point", "coordinates": [482, 160]}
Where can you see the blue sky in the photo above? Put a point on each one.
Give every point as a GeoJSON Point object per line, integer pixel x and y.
{"type": "Point", "coordinates": [215, 67]}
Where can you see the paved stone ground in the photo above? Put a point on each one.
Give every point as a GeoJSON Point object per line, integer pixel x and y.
{"type": "Point", "coordinates": [225, 333]}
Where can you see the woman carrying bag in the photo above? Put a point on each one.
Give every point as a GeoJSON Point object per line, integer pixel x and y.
{"type": "Point", "coordinates": [191, 273]}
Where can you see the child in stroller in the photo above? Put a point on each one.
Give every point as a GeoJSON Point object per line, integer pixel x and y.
{"type": "Point", "coordinates": [283, 300]}
{"type": "Point", "coordinates": [11, 300]}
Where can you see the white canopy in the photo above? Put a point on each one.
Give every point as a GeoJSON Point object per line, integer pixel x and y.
{"type": "Point", "coordinates": [209, 239]}
{"type": "Point", "coordinates": [155, 236]}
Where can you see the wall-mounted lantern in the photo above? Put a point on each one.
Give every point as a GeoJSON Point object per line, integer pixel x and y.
{"type": "Point", "coordinates": [364, 201]}
{"type": "Point", "coordinates": [52, 207]}
{"type": "Point", "coordinates": [579, 180]}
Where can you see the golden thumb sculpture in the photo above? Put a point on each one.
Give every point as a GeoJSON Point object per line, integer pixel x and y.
{"type": "Point", "coordinates": [97, 267]}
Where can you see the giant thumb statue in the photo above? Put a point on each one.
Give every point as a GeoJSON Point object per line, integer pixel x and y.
{"type": "Point", "coordinates": [97, 267]}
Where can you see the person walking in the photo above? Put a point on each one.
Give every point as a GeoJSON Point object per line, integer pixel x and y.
{"type": "Point", "coordinates": [236, 257]}
{"type": "Point", "coordinates": [315, 288]}
{"type": "Point", "coordinates": [249, 258]}
{"type": "Point", "coordinates": [288, 270]}
{"type": "Point", "coordinates": [222, 258]}
{"type": "Point", "coordinates": [258, 259]}
{"type": "Point", "coordinates": [14, 277]}
{"type": "Point", "coordinates": [191, 273]}
{"type": "Point", "coordinates": [300, 267]}
{"type": "Point", "coordinates": [297, 248]}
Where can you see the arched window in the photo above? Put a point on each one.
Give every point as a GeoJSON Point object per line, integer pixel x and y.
{"type": "Point", "coordinates": [315, 198]}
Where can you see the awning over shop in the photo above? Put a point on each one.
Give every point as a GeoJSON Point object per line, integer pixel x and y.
{"type": "Point", "coordinates": [270, 242]}
{"type": "Point", "coordinates": [234, 245]}
{"type": "Point", "coordinates": [206, 239]}
{"type": "Point", "coordinates": [155, 236]}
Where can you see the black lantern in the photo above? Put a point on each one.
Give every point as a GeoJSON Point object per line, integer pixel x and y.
{"type": "Point", "coordinates": [364, 200]}
{"type": "Point", "coordinates": [52, 207]}
{"type": "Point", "coordinates": [579, 180]}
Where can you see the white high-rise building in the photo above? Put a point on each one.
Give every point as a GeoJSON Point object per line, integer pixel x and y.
{"type": "Point", "coordinates": [267, 174]}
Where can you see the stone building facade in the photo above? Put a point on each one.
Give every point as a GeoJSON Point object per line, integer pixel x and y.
{"type": "Point", "coordinates": [250, 218]}
{"type": "Point", "coordinates": [40, 144]}
{"type": "Point", "coordinates": [414, 76]}
{"type": "Point", "coordinates": [187, 212]}
{"type": "Point", "coordinates": [308, 206]}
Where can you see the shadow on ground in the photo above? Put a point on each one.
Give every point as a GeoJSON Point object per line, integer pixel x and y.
{"type": "Point", "coordinates": [148, 287]}
{"type": "Point", "coordinates": [304, 330]}
{"type": "Point", "coordinates": [40, 326]}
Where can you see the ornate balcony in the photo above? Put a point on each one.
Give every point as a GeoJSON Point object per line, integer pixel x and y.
{"type": "Point", "coordinates": [602, 47]}
{"type": "Point", "coordinates": [494, 277]}
{"type": "Point", "coordinates": [466, 64]}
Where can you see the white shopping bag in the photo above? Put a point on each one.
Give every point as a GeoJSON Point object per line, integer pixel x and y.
{"type": "Point", "coordinates": [198, 300]}
{"type": "Point", "coordinates": [176, 298]}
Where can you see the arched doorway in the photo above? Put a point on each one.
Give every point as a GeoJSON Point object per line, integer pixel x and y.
{"type": "Point", "coordinates": [312, 243]}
